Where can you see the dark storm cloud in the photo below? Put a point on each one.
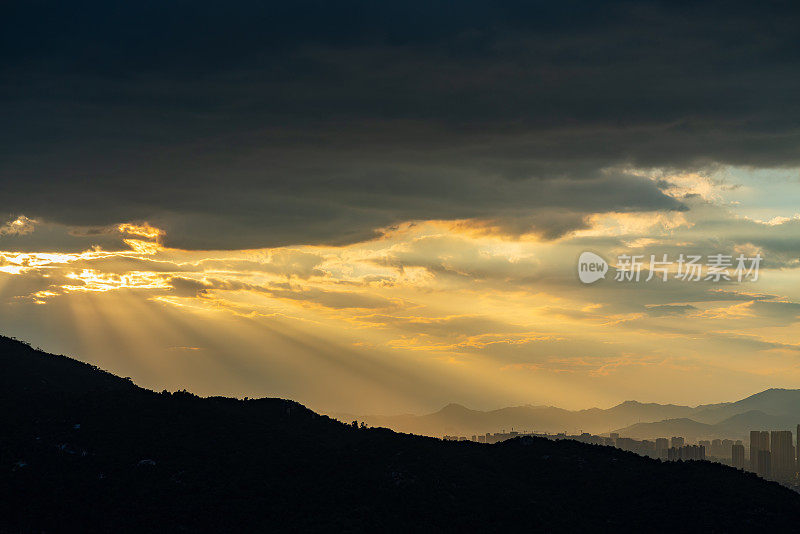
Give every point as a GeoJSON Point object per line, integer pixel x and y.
{"type": "Point", "coordinates": [255, 124]}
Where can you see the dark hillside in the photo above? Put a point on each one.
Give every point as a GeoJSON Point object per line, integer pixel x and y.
{"type": "Point", "coordinates": [27, 372]}
{"type": "Point", "coordinates": [98, 454]}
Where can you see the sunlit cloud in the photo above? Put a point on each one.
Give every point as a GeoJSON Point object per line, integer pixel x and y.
{"type": "Point", "coordinates": [19, 226]}
{"type": "Point", "coordinates": [634, 224]}
{"type": "Point", "coordinates": [485, 306]}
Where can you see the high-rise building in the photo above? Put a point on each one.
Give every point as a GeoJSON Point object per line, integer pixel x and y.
{"type": "Point", "coordinates": [797, 449]}
{"type": "Point", "coordinates": [737, 456]}
{"type": "Point", "coordinates": [706, 445]}
{"type": "Point", "coordinates": [764, 464]}
{"type": "Point", "coordinates": [783, 462]}
{"type": "Point", "coordinates": [677, 441]}
{"type": "Point", "coordinates": [764, 442]}
{"type": "Point", "coordinates": [716, 448]}
{"type": "Point", "coordinates": [662, 444]}
{"type": "Point", "coordinates": [759, 441]}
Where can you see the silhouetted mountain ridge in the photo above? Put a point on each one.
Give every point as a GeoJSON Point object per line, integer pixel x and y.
{"type": "Point", "coordinates": [631, 418]}
{"type": "Point", "coordinates": [30, 371]}
{"type": "Point", "coordinates": [84, 451]}
{"type": "Point", "coordinates": [735, 427]}
{"type": "Point", "coordinates": [772, 401]}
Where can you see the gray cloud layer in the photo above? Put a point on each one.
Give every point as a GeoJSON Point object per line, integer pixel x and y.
{"type": "Point", "coordinates": [265, 124]}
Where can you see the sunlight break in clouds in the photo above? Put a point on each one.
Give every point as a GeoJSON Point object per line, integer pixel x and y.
{"type": "Point", "coordinates": [19, 226]}
{"type": "Point", "coordinates": [467, 308]}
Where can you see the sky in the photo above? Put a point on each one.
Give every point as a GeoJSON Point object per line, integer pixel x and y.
{"type": "Point", "coordinates": [379, 207]}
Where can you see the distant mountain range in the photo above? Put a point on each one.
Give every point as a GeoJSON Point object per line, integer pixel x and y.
{"type": "Point", "coordinates": [769, 410]}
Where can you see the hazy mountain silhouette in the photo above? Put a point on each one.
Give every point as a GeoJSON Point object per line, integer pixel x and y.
{"type": "Point", "coordinates": [631, 418]}
{"type": "Point", "coordinates": [741, 424]}
{"type": "Point", "coordinates": [687, 428]}
{"type": "Point", "coordinates": [784, 402]}
{"type": "Point", "coordinates": [768, 410]}
{"type": "Point", "coordinates": [457, 419]}
{"type": "Point", "coordinates": [735, 427]}
{"type": "Point", "coordinates": [82, 450]}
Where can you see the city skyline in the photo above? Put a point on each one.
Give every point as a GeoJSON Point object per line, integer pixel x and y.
{"type": "Point", "coordinates": [773, 455]}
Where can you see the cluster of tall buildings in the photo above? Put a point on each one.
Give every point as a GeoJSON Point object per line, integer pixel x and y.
{"type": "Point", "coordinates": [672, 449]}
{"type": "Point", "coordinates": [771, 454]}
